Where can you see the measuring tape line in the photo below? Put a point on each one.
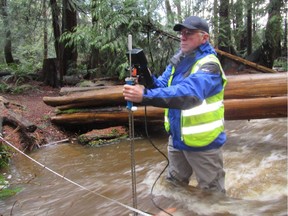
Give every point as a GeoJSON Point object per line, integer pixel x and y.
{"type": "Point", "coordinates": [74, 183]}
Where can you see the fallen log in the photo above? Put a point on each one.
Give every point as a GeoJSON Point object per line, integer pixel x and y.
{"type": "Point", "coordinates": [8, 116]}
{"type": "Point", "coordinates": [256, 85]}
{"type": "Point", "coordinates": [16, 127]}
{"type": "Point", "coordinates": [100, 97]}
{"type": "Point", "coordinates": [239, 86]}
{"type": "Point", "coordinates": [235, 109]}
{"type": "Point", "coordinates": [256, 108]}
{"type": "Point", "coordinates": [71, 90]}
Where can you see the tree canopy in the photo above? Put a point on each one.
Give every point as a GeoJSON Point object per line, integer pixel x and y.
{"type": "Point", "coordinates": [90, 36]}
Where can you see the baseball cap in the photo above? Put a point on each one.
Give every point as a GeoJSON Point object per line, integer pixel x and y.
{"type": "Point", "coordinates": [193, 22]}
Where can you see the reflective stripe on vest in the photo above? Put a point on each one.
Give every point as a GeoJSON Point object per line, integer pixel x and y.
{"type": "Point", "coordinates": [166, 110]}
{"type": "Point", "coordinates": [202, 124]}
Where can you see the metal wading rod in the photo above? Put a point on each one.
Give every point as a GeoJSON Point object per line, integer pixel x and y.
{"type": "Point", "coordinates": [132, 157]}
{"type": "Point", "coordinates": [136, 211]}
{"type": "Point", "coordinates": [131, 81]}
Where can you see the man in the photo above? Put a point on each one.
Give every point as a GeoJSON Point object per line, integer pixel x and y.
{"type": "Point", "coordinates": [191, 89]}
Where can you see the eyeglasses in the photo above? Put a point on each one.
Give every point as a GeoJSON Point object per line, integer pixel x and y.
{"type": "Point", "coordinates": [188, 32]}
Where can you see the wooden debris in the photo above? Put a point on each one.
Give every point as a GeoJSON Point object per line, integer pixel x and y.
{"type": "Point", "coordinates": [235, 109]}
{"type": "Point", "coordinates": [102, 97]}
{"type": "Point", "coordinates": [8, 116]}
{"type": "Point", "coordinates": [256, 85]}
{"type": "Point", "coordinates": [239, 86]}
{"type": "Point", "coordinates": [17, 126]}
{"type": "Point", "coordinates": [102, 137]}
{"type": "Point", "coordinates": [247, 96]}
{"type": "Point", "coordinates": [71, 90]}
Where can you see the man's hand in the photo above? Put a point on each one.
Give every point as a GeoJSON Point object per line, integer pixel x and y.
{"type": "Point", "coordinates": [133, 93]}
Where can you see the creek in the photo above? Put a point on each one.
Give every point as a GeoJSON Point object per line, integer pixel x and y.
{"type": "Point", "coordinates": [255, 160]}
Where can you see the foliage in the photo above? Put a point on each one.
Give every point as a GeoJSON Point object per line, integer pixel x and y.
{"type": "Point", "coordinates": [103, 27]}
{"type": "Point", "coordinates": [20, 72]}
{"type": "Point", "coordinates": [26, 26]}
{"type": "Point", "coordinates": [4, 156]}
{"type": "Point", "coordinates": [108, 36]}
{"type": "Point", "coordinates": [5, 191]}
{"type": "Point", "coordinates": [16, 82]}
{"type": "Point", "coordinates": [14, 88]}
{"type": "Point", "coordinates": [281, 63]}
{"type": "Point", "coordinates": [68, 111]}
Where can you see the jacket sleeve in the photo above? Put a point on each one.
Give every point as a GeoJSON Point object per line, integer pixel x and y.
{"type": "Point", "coordinates": [162, 81]}
{"type": "Point", "coordinates": [190, 92]}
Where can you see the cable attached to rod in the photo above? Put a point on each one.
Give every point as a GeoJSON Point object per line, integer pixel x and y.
{"type": "Point", "coordinates": [154, 184]}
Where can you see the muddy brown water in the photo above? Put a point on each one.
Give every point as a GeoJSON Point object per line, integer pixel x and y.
{"type": "Point", "coordinates": [255, 158]}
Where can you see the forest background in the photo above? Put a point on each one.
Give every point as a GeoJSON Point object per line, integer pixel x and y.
{"type": "Point", "coordinates": [88, 38]}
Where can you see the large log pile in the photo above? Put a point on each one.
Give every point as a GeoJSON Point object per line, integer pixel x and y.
{"type": "Point", "coordinates": [248, 96]}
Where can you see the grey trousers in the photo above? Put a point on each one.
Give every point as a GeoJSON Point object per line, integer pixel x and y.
{"type": "Point", "coordinates": [207, 166]}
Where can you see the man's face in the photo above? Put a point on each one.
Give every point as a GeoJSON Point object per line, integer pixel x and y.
{"type": "Point", "coordinates": [191, 39]}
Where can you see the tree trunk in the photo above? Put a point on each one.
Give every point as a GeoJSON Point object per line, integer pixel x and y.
{"type": "Point", "coordinates": [169, 13]}
{"type": "Point", "coordinates": [45, 31]}
{"type": "Point", "coordinates": [179, 10]}
{"type": "Point", "coordinates": [224, 27]}
{"type": "Point", "coordinates": [240, 33]}
{"type": "Point", "coordinates": [68, 57]}
{"type": "Point", "coordinates": [269, 50]}
{"type": "Point", "coordinates": [50, 72]}
{"type": "Point", "coordinates": [94, 59]}
{"type": "Point", "coordinates": [249, 27]}
{"type": "Point", "coordinates": [284, 49]}
{"type": "Point", "coordinates": [7, 43]}
{"type": "Point", "coordinates": [215, 21]}
{"type": "Point", "coordinates": [56, 26]}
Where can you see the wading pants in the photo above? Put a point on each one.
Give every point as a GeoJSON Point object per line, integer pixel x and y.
{"type": "Point", "coordinates": [207, 166]}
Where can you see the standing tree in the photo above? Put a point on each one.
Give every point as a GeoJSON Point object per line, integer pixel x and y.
{"type": "Point", "coordinates": [8, 44]}
{"type": "Point", "coordinates": [239, 27]}
{"type": "Point", "coordinates": [55, 23]}
{"type": "Point", "coordinates": [50, 68]}
{"type": "Point", "coordinates": [270, 48]}
{"type": "Point", "coordinates": [224, 39]}
{"type": "Point", "coordinates": [284, 52]}
{"type": "Point", "coordinates": [68, 57]}
{"type": "Point", "coordinates": [215, 23]}
{"type": "Point", "coordinates": [45, 30]}
{"type": "Point", "coordinates": [179, 10]}
{"type": "Point", "coordinates": [249, 27]}
{"type": "Point", "coordinates": [169, 13]}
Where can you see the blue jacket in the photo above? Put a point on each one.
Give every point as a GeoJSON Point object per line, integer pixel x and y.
{"type": "Point", "coordinates": [186, 91]}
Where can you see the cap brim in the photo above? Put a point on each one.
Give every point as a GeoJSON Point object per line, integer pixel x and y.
{"type": "Point", "coordinates": [178, 27]}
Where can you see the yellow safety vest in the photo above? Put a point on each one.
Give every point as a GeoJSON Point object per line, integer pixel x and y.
{"type": "Point", "coordinates": [201, 124]}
